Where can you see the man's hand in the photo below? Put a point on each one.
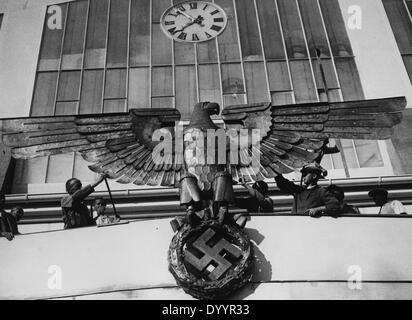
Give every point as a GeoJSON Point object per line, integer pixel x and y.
{"type": "Point", "coordinates": [100, 180]}
{"type": "Point", "coordinates": [102, 177]}
{"type": "Point", "coordinates": [314, 212]}
{"type": "Point", "coordinates": [8, 235]}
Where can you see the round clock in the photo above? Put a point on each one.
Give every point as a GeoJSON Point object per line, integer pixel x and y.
{"type": "Point", "coordinates": [193, 21]}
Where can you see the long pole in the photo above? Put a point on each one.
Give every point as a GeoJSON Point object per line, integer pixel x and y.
{"type": "Point", "coordinates": [325, 85]}
{"type": "Point", "coordinates": [111, 198]}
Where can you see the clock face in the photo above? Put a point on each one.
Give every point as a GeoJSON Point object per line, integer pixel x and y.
{"type": "Point", "coordinates": [194, 21]}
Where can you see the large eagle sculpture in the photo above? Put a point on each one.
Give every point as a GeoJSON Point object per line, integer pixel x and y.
{"type": "Point", "coordinates": [121, 144]}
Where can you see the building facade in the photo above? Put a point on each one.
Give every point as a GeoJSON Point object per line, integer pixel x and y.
{"type": "Point", "coordinates": [94, 56]}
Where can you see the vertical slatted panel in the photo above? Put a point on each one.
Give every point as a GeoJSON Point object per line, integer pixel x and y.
{"type": "Point", "coordinates": [69, 85]}
{"type": "Point", "coordinates": [184, 53]}
{"type": "Point", "coordinates": [95, 53]}
{"type": "Point", "coordinates": [207, 52]}
{"type": "Point", "coordinates": [315, 33]}
{"type": "Point", "coordinates": [257, 90]}
{"type": "Point", "coordinates": [278, 76]}
{"type": "Point", "coordinates": [118, 33]}
{"type": "Point", "coordinates": [162, 52]}
{"type": "Point", "coordinates": [91, 94]}
{"type": "Point", "coordinates": [74, 38]}
{"type": "Point", "coordinates": [44, 94]}
{"type": "Point", "coordinates": [349, 79]}
{"type": "Point", "coordinates": [401, 24]}
{"type": "Point", "coordinates": [228, 41]}
{"type": "Point", "coordinates": [115, 86]}
{"type": "Point", "coordinates": [335, 26]}
{"type": "Point", "coordinates": [270, 28]}
{"type": "Point", "coordinates": [292, 29]}
{"type": "Point", "coordinates": [304, 87]}
{"type": "Point", "coordinates": [162, 81]}
{"type": "Point", "coordinates": [186, 96]}
{"type": "Point", "coordinates": [232, 78]}
{"type": "Point", "coordinates": [140, 33]}
{"type": "Point", "coordinates": [52, 43]}
{"type": "Point", "coordinates": [139, 88]}
{"type": "Point", "coordinates": [248, 30]}
{"type": "Point", "coordinates": [209, 83]}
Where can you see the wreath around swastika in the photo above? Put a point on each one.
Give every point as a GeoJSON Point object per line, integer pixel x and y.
{"type": "Point", "coordinates": [223, 282]}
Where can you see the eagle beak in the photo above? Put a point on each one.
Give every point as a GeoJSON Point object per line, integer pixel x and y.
{"type": "Point", "coordinates": [212, 108]}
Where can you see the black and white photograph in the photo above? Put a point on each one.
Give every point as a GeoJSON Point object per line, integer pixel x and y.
{"type": "Point", "coordinates": [208, 151]}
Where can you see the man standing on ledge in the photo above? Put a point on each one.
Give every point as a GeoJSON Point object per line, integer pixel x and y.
{"type": "Point", "coordinates": [311, 198]}
{"type": "Point", "coordinates": [75, 213]}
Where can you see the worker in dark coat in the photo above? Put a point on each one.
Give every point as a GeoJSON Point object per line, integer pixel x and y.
{"type": "Point", "coordinates": [310, 198]}
{"type": "Point", "coordinates": [75, 212]}
{"type": "Point", "coordinates": [257, 200]}
{"type": "Point", "coordinates": [339, 194]}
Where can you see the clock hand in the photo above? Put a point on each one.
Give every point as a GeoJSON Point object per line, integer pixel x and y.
{"type": "Point", "coordinates": [186, 15]}
{"type": "Point", "coordinates": [198, 20]}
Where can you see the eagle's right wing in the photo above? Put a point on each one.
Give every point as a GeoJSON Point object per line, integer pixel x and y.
{"type": "Point", "coordinates": [294, 135]}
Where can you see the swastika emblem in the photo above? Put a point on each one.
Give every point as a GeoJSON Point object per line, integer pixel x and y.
{"type": "Point", "coordinates": [213, 257]}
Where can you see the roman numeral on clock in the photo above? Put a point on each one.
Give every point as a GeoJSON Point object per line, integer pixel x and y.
{"type": "Point", "coordinates": [214, 12]}
{"type": "Point", "coordinates": [218, 20]}
{"type": "Point", "coordinates": [182, 36]}
{"type": "Point", "coordinates": [169, 23]}
{"type": "Point", "coordinates": [216, 28]}
{"type": "Point", "coordinates": [193, 5]}
{"type": "Point", "coordinates": [172, 31]}
{"type": "Point", "coordinates": [208, 35]}
{"type": "Point", "coordinates": [195, 37]}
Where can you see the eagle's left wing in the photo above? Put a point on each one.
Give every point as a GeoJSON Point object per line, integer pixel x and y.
{"type": "Point", "coordinates": [294, 135]}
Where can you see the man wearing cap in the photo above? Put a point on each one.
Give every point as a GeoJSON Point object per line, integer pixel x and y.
{"type": "Point", "coordinates": [339, 194]}
{"type": "Point", "coordinates": [310, 198]}
{"type": "Point", "coordinates": [380, 197]}
{"type": "Point", "coordinates": [75, 213]}
{"type": "Point", "coordinates": [257, 201]}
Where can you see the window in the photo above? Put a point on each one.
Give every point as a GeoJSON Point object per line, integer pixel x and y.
{"type": "Point", "coordinates": [111, 55]}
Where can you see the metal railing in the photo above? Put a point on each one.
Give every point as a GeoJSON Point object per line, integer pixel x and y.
{"type": "Point", "coordinates": [158, 203]}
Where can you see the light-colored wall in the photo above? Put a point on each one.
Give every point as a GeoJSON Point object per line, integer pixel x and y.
{"type": "Point", "coordinates": [379, 62]}
{"type": "Point", "coordinates": [20, 38]}
{"type": "Point", "coordinates": [287, 249]}
{"type": "Point", "coordinates": [381, 68]}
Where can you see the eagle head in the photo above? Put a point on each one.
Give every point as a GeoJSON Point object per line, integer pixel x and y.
{"type": "Point", "coordinates": [201, 115]}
